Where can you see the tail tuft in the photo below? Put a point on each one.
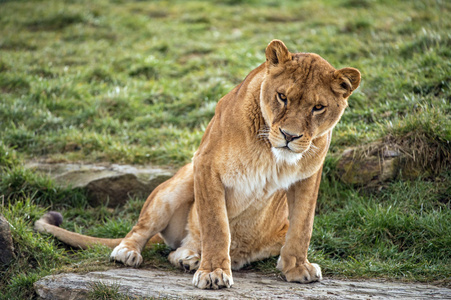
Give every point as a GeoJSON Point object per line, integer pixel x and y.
{"type": "Point", "coordinates": [50, 222]}
{"type": "Point", "coordinates": [53, 218]}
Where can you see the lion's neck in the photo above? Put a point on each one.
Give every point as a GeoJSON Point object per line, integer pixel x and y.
{"type": "Point", "coordinates": [252, 114]}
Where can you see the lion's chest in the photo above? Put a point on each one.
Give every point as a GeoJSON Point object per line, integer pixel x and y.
{"type": "Point", "coordinates": [254, 185]}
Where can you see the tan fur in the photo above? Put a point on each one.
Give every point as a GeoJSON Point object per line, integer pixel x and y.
{"type": "Point", "coordinates": [250, 191]}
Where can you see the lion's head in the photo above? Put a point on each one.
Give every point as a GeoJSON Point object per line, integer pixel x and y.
{"type": "Point", "coordinates": [302, 98]}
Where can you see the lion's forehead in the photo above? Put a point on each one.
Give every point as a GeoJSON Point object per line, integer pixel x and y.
{"type": "Point", "coordinates": [310, 76]}
{"type": "Point", "coordinates": [310, 60]}
{"type": "Point", "coordinates": [311, 92]}
{"type": "Point", "coordinates": [308, 92]}
{"type": "Point", "coordinates": [313, 75]}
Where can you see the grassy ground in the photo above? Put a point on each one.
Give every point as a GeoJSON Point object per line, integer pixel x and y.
{"type": "Point", "coordinates": [137, 82]}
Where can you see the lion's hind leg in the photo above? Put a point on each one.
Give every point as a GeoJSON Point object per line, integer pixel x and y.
{"type": "Point", "coordinates": [188, 255]}
{"type": "Point", "coordinates": [165, 212]}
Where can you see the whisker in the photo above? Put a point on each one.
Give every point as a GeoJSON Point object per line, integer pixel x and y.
{"type": "Point", "coordinates": [314, 149]}
{"type": "Point", "coordinates": [312, 152]}
{"type": "Point", "coordinates": [263, 133]}
{"type": "Point", "coordinates": [312, 146]}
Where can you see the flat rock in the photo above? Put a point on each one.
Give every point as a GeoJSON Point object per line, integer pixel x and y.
{"type": "Point", "coordinates": [177, 285]}
{"type": "Point", "coordinates": [112, 184]}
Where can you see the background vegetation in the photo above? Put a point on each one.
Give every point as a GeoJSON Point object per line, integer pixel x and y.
{"type": "Point", "coordinates": [137, 82]}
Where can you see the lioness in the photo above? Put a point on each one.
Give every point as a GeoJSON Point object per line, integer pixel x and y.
{"type": "Point", "coordinates": [250, 191]}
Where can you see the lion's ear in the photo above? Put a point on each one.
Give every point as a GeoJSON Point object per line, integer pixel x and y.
{"type": "Point", "coordinates": [348, 79]}
{"type": "Point", "coordinates": [277, 53]}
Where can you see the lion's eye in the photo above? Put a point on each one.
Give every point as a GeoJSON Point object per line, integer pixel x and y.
{"type": "Point", "coordinates": [318, 108]}
{"type": "Point", "coordinates": [282, 97]}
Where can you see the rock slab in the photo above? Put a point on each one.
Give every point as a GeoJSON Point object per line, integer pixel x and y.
{"type": "Point", "coordinates": [177, 285]}
{"type": "Point", "coordinates": [110, 184]}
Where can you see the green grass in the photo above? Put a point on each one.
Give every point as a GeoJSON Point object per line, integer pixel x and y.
{"type": "Point", "coordinates": [102, 81]}
{"type": "Point", "coordinates": [103, 291]}
{"type": "Point", "coordinates": [100, 290]}
{"type": "Point", "coordinates": [399, 233]}
{"type": "Point", "coordinates": [137, 82]}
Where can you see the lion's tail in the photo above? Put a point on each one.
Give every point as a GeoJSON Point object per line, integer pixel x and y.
{"type": "Point", "coordinates": [50, 223]}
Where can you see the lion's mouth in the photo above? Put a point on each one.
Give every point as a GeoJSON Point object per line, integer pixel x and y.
{"type": "Point", "coordinates": [286, 148]}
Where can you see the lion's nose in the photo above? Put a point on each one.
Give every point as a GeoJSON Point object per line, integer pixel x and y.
{"type": "Point", "coordinates": [288, 136]}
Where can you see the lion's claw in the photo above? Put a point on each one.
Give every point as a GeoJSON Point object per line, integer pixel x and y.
{"type": "Point", "coordinates": [128, 257]}
{"type": "Point", "coordinates": [217, 279]}
{"type": "Point", "coordinates": [303, 273]}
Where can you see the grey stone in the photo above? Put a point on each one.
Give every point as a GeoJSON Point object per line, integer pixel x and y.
{"type": "Point", "coordinates": [6, 243]}
{"type": "Point", "coordinates": [369, 165]}
{"type": "Point", "coordinates": [112, 184]}
{"type": "Point", "coordinates": [177, 285]}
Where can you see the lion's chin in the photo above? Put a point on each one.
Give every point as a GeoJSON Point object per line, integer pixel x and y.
{"type": "Point", "coordinates": [285, 155]}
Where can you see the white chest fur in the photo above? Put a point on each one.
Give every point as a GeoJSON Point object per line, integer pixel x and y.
{"type": "Point", "coordinates": [251, 182]}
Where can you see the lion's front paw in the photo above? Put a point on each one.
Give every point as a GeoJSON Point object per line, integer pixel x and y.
{"type": "Point", "coordinates": [127, 256]}
{"type": "Point", "coordinates": [303, 273]}
{"type": "Point", "coordinates": [217, 279]}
